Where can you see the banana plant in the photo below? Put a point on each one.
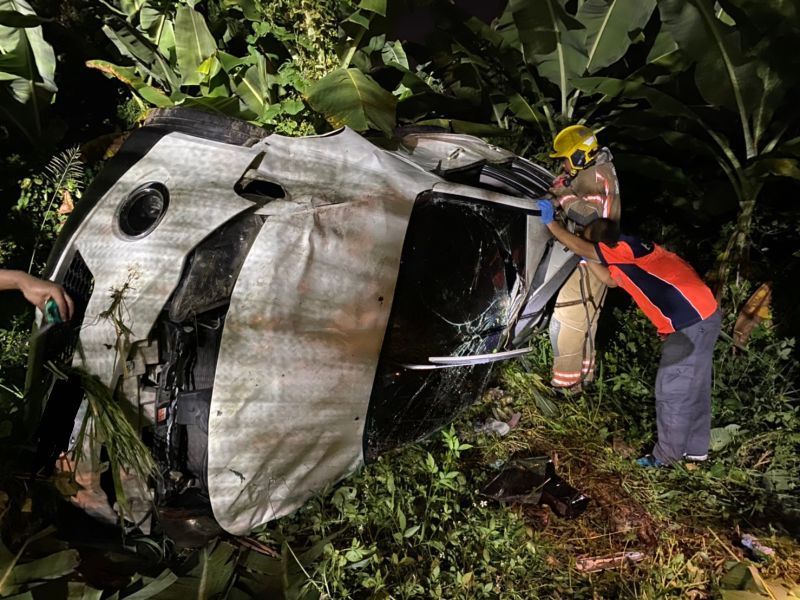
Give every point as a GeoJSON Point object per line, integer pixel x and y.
{"type": "Point", "coordinates": [377, 86]}
{"type": "Point", "coordinates": [349, 95]}
{"type": "Point", "coordinates": [521, 71]}
{"type": "Point", "coordinates": [173, 59]}
{"type": "Point", "coordinates": [745, 123]}
{"type": "Point", "coordinates": [557, 47]}
{"type": "Point", "coordinates": [27, 70]}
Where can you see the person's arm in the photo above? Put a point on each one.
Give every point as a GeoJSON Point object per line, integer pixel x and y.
{"type": "Point", "coordinates": [37, 291]}
{"type": "Point", "coordinates": [602, 273]}
{"type": "Point", "coordinates": [579, 246]}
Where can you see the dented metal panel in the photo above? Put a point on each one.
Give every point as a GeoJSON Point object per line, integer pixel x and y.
{"type": "Point", "coordinates": [298, 357]}
{"type": "Point", "coordinates": [152, 265]}
{"type": "Point", "coordinates": [305, 327]}
{"type": "Point", "coordinates": [447, 152]}
{"type": "Point", "coordinates": [301, 338]}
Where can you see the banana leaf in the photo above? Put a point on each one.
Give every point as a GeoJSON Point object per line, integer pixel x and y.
{"type": "Point", "coordinates": [16, 577]}
{"type": "Point", "coordinates": [28, 68]}
{"type": "Point", "coordinates": [153, 15]}
{"type": "Point", "coordinates": [609, 25]}
{"type": "Point", "coordinates": [611, 88]}
{"type": "Point", "coordinates": [154, 59]}
{"type": "Point", "coordinates": [525, 111]}
{"type": "Point", "coordinates": [724, 75]}
{"type": "Point", "coordinates": [131, 7]}
{"type": "Point", "coordinates": [791, 147]}
{"type": "Point", "coordinates": [194, 44]}
{"type": "Point", "coordinates": [775, 166]}
{"type": "Point", "coordinates": [226, 105]}
{"type": "Point", "coordinates": [132, 46]}
{"type": "Point", "coordinates": [375, 6]}
{"type": "Point", "coordinates": [14, 18]}
{"type": "Point", "coordinates": [209, 578]}
{"type": "Point", "coordinates": [349, 97]}
{"type": "Point", "coordinates": [393, 53]}
{"type": "Point", "coordinates": [254, 87]}
{"type": "Point", "coordinates": [128, 76]}
{"type": "Point", "coordinates": [148, 587]}
{"type": "Point", "coordinates": [772, 94]}
{"type": "Point", "coordinates": [248, 8]}
{"type": "Point", "coordinates": [552, 41]}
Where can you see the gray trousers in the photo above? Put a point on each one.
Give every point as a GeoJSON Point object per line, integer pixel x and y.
{"type": "Point", "coordinates": [683, 391]}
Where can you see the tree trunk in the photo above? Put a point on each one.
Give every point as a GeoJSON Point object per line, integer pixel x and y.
{"type": "Point", "coordinates": [736, 250]}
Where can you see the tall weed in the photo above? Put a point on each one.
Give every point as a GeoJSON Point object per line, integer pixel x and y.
{"type": "Point", "coordinates": [754, 469]}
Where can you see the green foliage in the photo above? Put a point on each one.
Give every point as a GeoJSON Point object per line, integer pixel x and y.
{"type": "Point", "coordinates": [412, 524]}
{"type": "Point", "coordinates": [47, 198]}
{"type": "Point", "coordinates": [27, 72]}
{"type": "Point", "coordinates": [755, 470]}
{"type": "Point", "coordinates": [20, 576]}
{"type": "Point", "coordinates": [105, 423]}
{"type": "Point", "coordinates": [239, 58]}
{"type": "Point", "coordinates": [742, 135]}
{"type": "Point", "coordinates": [562, 47]}
{"type": "Point", "coordinates": [348, 97]}
{"type": "Point", "coordinates": [14, 343]}
{"type": "Point", "coordinates": [409, 526]}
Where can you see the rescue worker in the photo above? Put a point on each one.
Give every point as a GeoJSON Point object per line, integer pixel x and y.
{"type": "Point", "coordinates": [683, 309]}
{"type": "Point", "coordinates": [587, 190]}
{"type": "Point", "coordinates": [37, 291]}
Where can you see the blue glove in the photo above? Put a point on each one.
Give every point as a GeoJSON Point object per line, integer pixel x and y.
{"type": "Point", "coordinates": [547, 211]}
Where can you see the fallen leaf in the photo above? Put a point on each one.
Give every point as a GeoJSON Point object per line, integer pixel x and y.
{"type": "Point", "coordinates": [67, 204]}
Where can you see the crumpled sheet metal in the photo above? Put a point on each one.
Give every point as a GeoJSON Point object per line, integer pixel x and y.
{"type": "Point", "coordinates": [200, 176]}
{"type": "Point", "coordinates": [305, 328]}
{"type": "Point", "coordinates": [298, 357]}
{"type": "Point", "coordinates": [459, 151]}
{"type": "Point", "coordinates": [332, 168]}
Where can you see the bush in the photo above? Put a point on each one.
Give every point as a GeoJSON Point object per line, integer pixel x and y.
{"type": "Point", "coordinates": [411, 525]}
{"type": "Point", "coordinates": [755, 453]}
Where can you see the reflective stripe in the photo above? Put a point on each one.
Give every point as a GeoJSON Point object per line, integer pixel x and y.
{"type": "Point", "coordinates": [556, 383]}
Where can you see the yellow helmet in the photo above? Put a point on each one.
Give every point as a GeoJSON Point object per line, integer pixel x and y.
{"type": "Point", "coordinates": [577, 144]}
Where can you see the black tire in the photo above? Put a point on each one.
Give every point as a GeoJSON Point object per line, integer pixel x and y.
{"type": "Point", "coordinates": [206, 125]}
{"type": "Point", "coordinates": [404, 130]}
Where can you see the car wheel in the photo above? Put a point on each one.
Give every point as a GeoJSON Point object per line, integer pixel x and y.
{"type": "Point", "coordinates": [210, 126]}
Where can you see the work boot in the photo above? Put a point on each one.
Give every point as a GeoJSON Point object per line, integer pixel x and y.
{"type": "Point", "coordinates": [696, 457]}
{"type": "Point", "coordinates": [568, 391]}
{"type": "Point", "coordinates": [651, 462]}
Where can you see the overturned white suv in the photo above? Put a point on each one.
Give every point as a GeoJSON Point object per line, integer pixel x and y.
{"type": "Point", "coordinates": [292, 307]}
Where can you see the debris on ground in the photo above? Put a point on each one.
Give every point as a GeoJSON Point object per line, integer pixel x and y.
{"type": "Point", "coordinates": [755, 549]}
{"type": "Point", "coordinates": [594, 564]}
{"type": "Point", "coordinates": [756, 309]}
{"type": "Point", "coordinates": [493, 426]}
{"type": "Point", "coordinates": [504, 418]}
{"type": "Point", "coordinates": [534, 481]}
{"type": "Point", "coordinates": [743, 581]}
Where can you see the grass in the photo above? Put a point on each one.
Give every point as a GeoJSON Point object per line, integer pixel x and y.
{"type": "Point", "coordinates": [414, 524]}
{"type": "Point", "coordinates": [686, 521]}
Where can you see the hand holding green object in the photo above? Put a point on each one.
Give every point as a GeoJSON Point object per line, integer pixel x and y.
{"type": "Point", "coordinates": [40, 293]}
{"type": "Point", "coordinates": [51, 312]}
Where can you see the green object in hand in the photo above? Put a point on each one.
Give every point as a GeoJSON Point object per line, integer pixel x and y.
{"type": "Point", "coordinates": [51, 313]}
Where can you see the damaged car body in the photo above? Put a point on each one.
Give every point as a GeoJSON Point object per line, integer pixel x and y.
{"type": "Point", "coordinates": [292, 307]}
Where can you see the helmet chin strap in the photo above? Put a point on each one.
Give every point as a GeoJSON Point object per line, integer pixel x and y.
{"type": "Point", "coordinates": [573, 170]}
